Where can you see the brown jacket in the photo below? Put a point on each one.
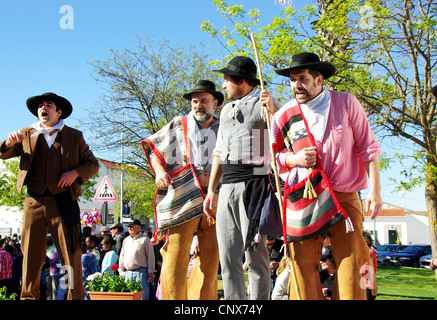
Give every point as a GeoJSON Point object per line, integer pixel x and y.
{"type": "Point", "coordinates": [75, 154]}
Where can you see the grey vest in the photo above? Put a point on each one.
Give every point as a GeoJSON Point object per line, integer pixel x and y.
{"type": "Point", "coordinates": [245, 136]}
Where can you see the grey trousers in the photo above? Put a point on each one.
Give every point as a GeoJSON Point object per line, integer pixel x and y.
{"type": "Point", "coordinates": [232, 224]}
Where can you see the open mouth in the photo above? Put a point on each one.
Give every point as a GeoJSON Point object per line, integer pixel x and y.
{"type": "Point", "coordinates": [44, 114]}
{"type": "Point", "coordinates": [300, 93]}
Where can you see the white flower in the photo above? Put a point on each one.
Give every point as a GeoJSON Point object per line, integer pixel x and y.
{"type": "Point", "coordinates": [91, 277]}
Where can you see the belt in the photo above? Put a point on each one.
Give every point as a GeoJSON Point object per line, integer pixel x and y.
{"type": "Point", "coordinates": [136, 269]}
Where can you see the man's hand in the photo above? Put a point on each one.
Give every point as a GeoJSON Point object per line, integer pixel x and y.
{"type": "Point", "coordinates": [163, 179]}
{"type": "Point", "coordinates": [208, 206]}
{"type": "Point", "coordinates": [374, 203]}
{"type": "Point", "coordinates": [433, 265]}
{"type": "Point", "coordinates": [268, 101]}
{"type": "Point", "coordinates": [14, 138]}
{"type": "Point", "coordinates": [150, 276]}
{"type": "Point", "coordinates": [273, 265]}
{"type": "Point", "coordinates": [306, 157]}
{"type": "Point", "coordinates": [68, 178]}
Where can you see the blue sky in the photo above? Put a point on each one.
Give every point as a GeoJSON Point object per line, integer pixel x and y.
{"type": "Point", "coordinates": [38, 56]}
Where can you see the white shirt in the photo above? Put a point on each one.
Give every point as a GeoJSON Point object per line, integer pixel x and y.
{"type": "Point", "coordinates": [136, 253]}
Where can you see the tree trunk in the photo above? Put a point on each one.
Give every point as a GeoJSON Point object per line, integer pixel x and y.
{"type": "Point", "coordinates": [431, 204]}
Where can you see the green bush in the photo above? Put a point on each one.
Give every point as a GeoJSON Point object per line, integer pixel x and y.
{"type": "Point", "coordinates": [112, 283]}
{"type": "Point", "coordinates": [4, 296]}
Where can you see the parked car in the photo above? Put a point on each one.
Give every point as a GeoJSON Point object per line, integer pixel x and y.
{"type": "Point", "coordinates": [425, 261]}
{"type": "Point", "coordinates": [385, 250]}
{"type": "Point", "coordinates": [410, 256]}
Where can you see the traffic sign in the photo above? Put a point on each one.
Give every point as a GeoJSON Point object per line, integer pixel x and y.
{"type": "Point", "coordinates": [106, 191]}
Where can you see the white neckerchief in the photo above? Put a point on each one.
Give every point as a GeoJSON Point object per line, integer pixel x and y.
{"type": "Point", "coordinates": [46, 131]}
{"type": "Point", "coordinates": [316, 113]}
{"type": "Point", "coordinates": [196, 137]}
{"type": "Point", "coordinates": [254, 94]}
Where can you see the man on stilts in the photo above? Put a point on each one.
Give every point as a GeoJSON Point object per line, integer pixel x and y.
{"type": "Point", "coordinates": [54, 162]}
{"type": "Point", "coordinates": [331, 126]}
{"type": "Point", "coordinates": [240, 163]}
{"type": "Point", "coordinates": [180, 155]}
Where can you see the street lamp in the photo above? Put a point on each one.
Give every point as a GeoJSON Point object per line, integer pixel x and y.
{"type": "Point", "coordinates": [121, 169]}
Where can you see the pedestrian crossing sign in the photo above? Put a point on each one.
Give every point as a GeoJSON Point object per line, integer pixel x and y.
{"type": "Point", "coordinates": [106, 191]}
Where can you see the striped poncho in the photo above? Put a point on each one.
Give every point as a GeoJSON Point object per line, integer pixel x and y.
{"type": "Point", "coordinates": [308, 212]}
{"type": "Point", "coordinates": [183, 199]}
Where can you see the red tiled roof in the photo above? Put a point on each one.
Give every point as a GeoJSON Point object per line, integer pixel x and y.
{"type": "Point", "coordinates": [394, 212]}
{"type": "Point", "coordinates": [108, 164]}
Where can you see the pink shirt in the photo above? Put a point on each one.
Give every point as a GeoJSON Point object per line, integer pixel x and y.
{"type": "Point", "coordinates": [348, 143]}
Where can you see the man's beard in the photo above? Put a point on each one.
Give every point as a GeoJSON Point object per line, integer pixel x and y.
{"type": "Point", "coordinates": [202, 117]}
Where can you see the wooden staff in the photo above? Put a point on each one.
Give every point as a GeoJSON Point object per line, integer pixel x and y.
{"type": "Point", "coordinates": [275, 170]}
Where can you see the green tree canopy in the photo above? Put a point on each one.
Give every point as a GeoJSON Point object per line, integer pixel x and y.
{"type": "Point", "coordinates": [9, 195]}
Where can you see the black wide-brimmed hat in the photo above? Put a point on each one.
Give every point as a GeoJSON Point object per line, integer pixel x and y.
{"type": "Point", "coordinates": [34, 102]}
{"type": "Point", "coordinates": [308, 60]}
{"type": "Point", "coordinates": [434, 91]}
{"type": "Point", "coordinates": [241, 66]}
{"type": "Point", "coordinates": [206, 86]}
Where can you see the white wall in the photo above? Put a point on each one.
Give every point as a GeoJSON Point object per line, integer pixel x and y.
{"type": "Point", "coordinates": [418, 229]}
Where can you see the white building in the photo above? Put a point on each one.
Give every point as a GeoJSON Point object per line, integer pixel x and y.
{"type": "Point", "coordinates": [397, 225]}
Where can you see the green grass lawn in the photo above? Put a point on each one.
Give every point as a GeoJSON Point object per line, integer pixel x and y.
{"type": "Point", "coordinates": [399, 283]}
